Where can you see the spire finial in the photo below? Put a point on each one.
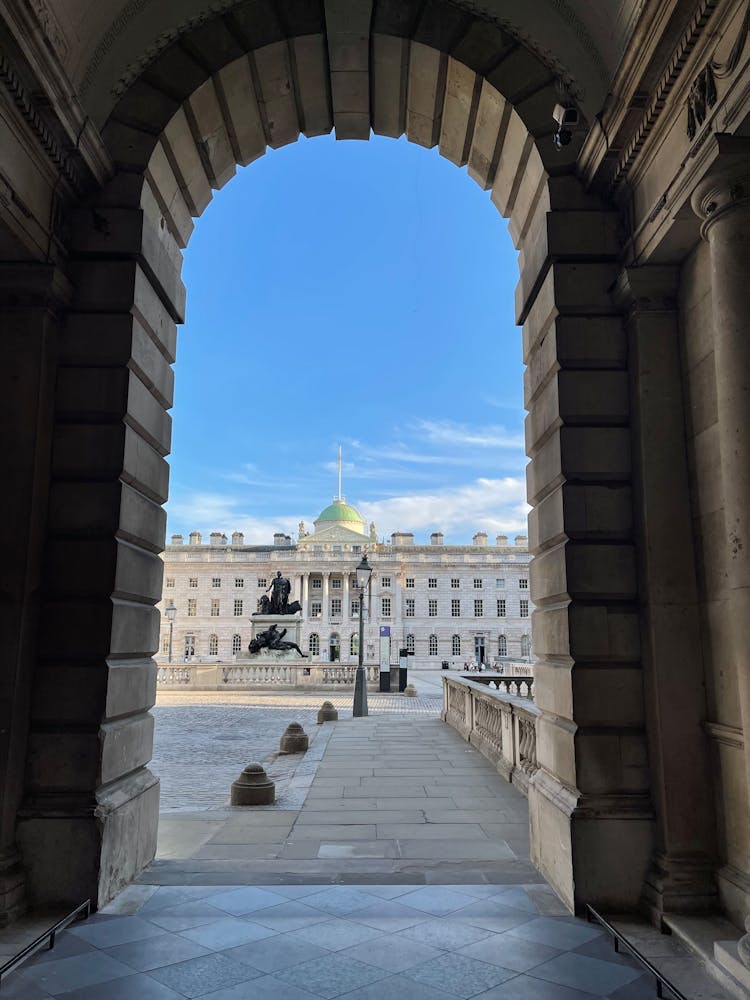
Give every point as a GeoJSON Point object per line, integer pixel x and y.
{"type": "Point", "coordinates": [339, 493]}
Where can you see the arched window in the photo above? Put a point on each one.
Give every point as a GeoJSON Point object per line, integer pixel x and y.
{"type": "Point", "coordinates": [354, 644]}
{"type": "Point", "coordinates": [525, 646]}
{"type": "Point", "coordinates": [313, 646]}
{"type": "Point", "coordinates": [410, 644]}
{"type": "Point", "coordinates": [433, 645]}
{"type": "Point", "coordinates": [502, 646]}
{"type": "Point", "coordinates": [456, 645]}
{"type": "Point", "coordinates": [236, 643]}
{"type": "Point", "coordinates": [213, 645]}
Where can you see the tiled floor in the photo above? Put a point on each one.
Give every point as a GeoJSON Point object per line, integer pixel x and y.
{"type": "Point", "coordinates": [295, 942]}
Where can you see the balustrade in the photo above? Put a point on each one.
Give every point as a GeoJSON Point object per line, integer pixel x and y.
{"type": "Point", "coordinates": [219, 676]}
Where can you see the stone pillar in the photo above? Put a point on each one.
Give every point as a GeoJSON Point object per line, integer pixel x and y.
{"type": "Point", "coordinates": [305, 595]}
{"type": "Point", "coordinates": [722, 202]}
{"type": "Point", "coordinates": [325, 616]}
{"type": "Point", "coordinates": [31, 298]}
{"type": "Point", "coordinates": [681, 878]}
{"type": "Point", "coordinates": [345, 610]}
{"type": "Point", "coordinates": [90, 810]}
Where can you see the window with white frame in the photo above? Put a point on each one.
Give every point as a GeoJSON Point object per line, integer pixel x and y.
{"type": "Point", "coordinates": [169, 583]}
{"type": "Point", "coordinates": [335, 584]}
{"type": "Point", "coordinates": [192, 607]}
{"type": "Point", "coordinates": [385, 607]}
{"type": "Point", "coordinates": [433, 645]}
{"type": "Point", "coordinates": [432, 607]}
{"type": "Point", "coordinates": [356, 548]}
{"type": "Point", "coordinates": [456, 608]}
{"type": "Point", "coordinates": [165, 645]}
{"type": "Point", "coordinates": [189, 646]}
{"type": "Point", "coordinates": [523, 608]}
{"type": "Point", "coordinates": [237, 607]}
{"type": "Point", "coordinates": [262, 582]}
{"type": "Point", "coordinates": [477, 583]}
{"type": "Point", "coordinates": [215, 604]}
{"type": "Point", "coordinates": [213, 644]}
{"type": "Point", "coordinates": [502, 646]}
{"type": "Point", "coordinates": [500, 583]}
{"type": "Point", "coordinates": [354, 644]}
{"type": "Point", "coordinates": [193, 582]}
{"type": "Point", "coordinates": [236, 643]}
{"type": "Point", "coordinates": [455, 582]}
{"type": "Point", "coordinates": [409, 606]}
{"type": "Point", "coordinates": [335, 607]}
{"type": "Point", "coordinates": [478, 609]}
{"type": "Point", "coordinates": [385, 583]}
{"type": "Point", "coordinates": [410, 647]}
{"type": "Point", "coordinates": [313, 644]}
{"type": "Point", "coordinates": [523, 583]}
{"type": "Point", "coordinates": [502, 607]}
{"type": "Point", "coordinates": [316, 583]}
{"type": "Point", "coordinates": [456, 645]}
{"type": "Point", "coordinates": [316, 608]}
{"type": "Point", "coordinates": [432, 583]}
{"type": "Point", "coordinates": [215, 582]}
{"type": "Point", "coordinates": [239, 581]}
{"type": "Point", "coordinates": [355, 607]}
{"type": "Point", "coordinates": [409, 583]}
{"type": "Point", "coordinates": [525, 646]}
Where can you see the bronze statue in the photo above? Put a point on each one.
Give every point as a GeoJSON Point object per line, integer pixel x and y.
{"type": "Point", "coordinates": [280, 589]}
{"type": "Point", "coordinates": [265, 607]}
{"type": "Point", "coordinates": [271, 638]}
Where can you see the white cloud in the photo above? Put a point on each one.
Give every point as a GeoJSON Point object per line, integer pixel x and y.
{"type": "Point", "coordinates": [491, 436]}
{"type": "Point", "coordinates": [207, 512]}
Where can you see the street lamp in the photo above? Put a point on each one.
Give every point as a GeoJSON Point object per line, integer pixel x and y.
{"type": "Point", "coordinates": [170, 611]}
{"type": "Point", "coordinates": [363, 574]}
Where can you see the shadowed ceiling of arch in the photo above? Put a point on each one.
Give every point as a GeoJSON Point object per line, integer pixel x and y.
{"type": "Point", "coordinates": [112, 41]}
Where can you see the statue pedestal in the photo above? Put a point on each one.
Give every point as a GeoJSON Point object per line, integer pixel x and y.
{"type": "Point", "coordinates": [259, 623]}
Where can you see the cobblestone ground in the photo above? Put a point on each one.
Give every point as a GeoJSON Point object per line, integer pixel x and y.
{"type": "Point", "coordinates": [202, 741]}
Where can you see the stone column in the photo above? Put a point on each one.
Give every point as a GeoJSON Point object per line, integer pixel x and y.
{"type": "Point", "coordinates": [345, 611]}
{"type": "Point", "coordinates": [305, 595]}
{"type": "Point", "coordinates": [681, 878]}
{"type": "Point", "coordinates": [31, 298]}
{"type": "Point", "coordinates": [325, 616]}
{"type": "Point", "coordinates": [722, 202]}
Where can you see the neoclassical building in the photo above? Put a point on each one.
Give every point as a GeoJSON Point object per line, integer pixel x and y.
{"type": "Point", "coordinates": [454, 603]}
{"type": "Point", "coordinates": [614, 136]}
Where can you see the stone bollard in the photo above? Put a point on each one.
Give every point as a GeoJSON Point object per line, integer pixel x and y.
{"type": "Point", "coordinates": [327, 713]}
{"type": "Point", "coordinates": [410, 691]}
{"type": "Point", "coordinates": [253, 788]}
{"type": "Point", "coordinates": [294, 740]}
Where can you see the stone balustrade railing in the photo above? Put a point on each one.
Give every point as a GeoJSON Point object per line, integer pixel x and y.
{"type": "Point", "coordinates": [222, 676]}
{"type": "Point", "coordinates": [501, 726]}
{"type": "Point", "coordinates": [523, 687]}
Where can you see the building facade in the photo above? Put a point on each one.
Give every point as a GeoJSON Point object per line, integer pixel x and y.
{"type": "Point", "coordinates": [454, 603]}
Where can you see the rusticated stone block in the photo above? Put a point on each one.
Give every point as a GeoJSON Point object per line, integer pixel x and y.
{"type": "Point", "coordinates": [410, 691]}
{"type": "Point", "coordinates": [253, 788]}
{"type": "Point", "coordinates": [294, 740]}
{"type": "Point", "coordinates": [327, 713]}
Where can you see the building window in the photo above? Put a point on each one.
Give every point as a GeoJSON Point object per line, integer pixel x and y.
{"type": "Point", "coordinates": [213, 644]}
{"type": "Point", "coordinates": [433, 645]}
{"type": "Point", "coordinates": [432, 582]}
{"type": "Point", "coordinates": [355, 607]}
{"type": "Point", "coordinates": [456, 645]}
{"type": "Point", "coordinates": [215, 581]}
{"type": "Point", "coordinates": [316, 583]}
{"type": "Point", "coordinates": [502, 646]}
{"type": "Point", "coordinates": [432, 607]}
{"type": "Point", "coordinates": [356, 548]}
{"type": "Point", "coordinates": [500, 583]}
{"type": "Point", "coordinates": [385, 583]}
{"type": "Point", "coordinates": [501, 607]}
{"type": "Point", "coordinates": [455, 582]}
{"type": "Point", "coordinates": [409, 607]}
{"type": "Point", "coordinates": [410, 644]}
{"type": "Point", "coordinates": [169, 583]}
{"type": "Point", "coordinates": [316, 608]}
{"type": "Point", "coordinates": [239, 581]}
{"type": "Point", "coordinates": [259, 605]}
{"type": "Point", "coordinates": [193, 582]}
{"type": "Point", "coordinates": [523, 608]}
{"type": "Point", "coordinates": [455, 608]}
{"type": "Point", "coordinates": [478, 609]}
{"type": "Point", "coordinates": [477, 583]}
{"type": "Point", "coordinates": [354, 644]}
{"type": "Point", "coordinates": [335, 584]}
{"type": "Point", "coordinates": [313, 644]}
{"type": "Point", "coordinates": [409, 583]}
{"type": "Point", "coordinates": [523, 584]}
{"type": "Point", "coordinates": [214, 608]}
{"type": "Point", "coordinates": [165, 645]}
{"type": "Point", "coordinates": [192, 607]}
{"type": "Point", "coordinates": [189, 646]}
{"type": "Point", "coordinates": [525, 646]}
{"type": "Point", "coordinates": [236, 643]}
{"type": "Point", "coordinates": [335, 607]}
{"type": "Point", "coordinates": [385, 607]}
{"type": "Point", "coordinates": [237, 607]}
{"type": "Point", "coordinates": [262, 582]}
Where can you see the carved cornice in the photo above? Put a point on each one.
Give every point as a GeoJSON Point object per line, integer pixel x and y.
{"type": "Point", "coordinates": [726, 187]}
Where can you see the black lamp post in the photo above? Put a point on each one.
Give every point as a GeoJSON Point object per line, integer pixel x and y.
{"type": "Point", "coordinates": [170, 611]}
{"type": "Point", "coordinates": [364, 572]}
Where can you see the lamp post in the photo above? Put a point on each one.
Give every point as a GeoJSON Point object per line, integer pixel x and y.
{"type": "Point", "coordinates": [170, 611]}
{"type": "Point", "coordinates": [363, 574]}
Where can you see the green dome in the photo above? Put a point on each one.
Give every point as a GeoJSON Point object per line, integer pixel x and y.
{"type": "Point", "coordinates": [339, 511]}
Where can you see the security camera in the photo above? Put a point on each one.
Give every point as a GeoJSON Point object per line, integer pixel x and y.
{"type": "Point", "coordinates": [563, 116]}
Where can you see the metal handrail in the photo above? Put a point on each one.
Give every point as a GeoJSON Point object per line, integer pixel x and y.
{"type": "Point", "coordinates": [81, 912]}
{"type": "Point", "coordinates": [661, 980]}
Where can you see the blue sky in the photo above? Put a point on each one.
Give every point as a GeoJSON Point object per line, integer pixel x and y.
{"type": "Point", "coordinates": [352, 293]}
